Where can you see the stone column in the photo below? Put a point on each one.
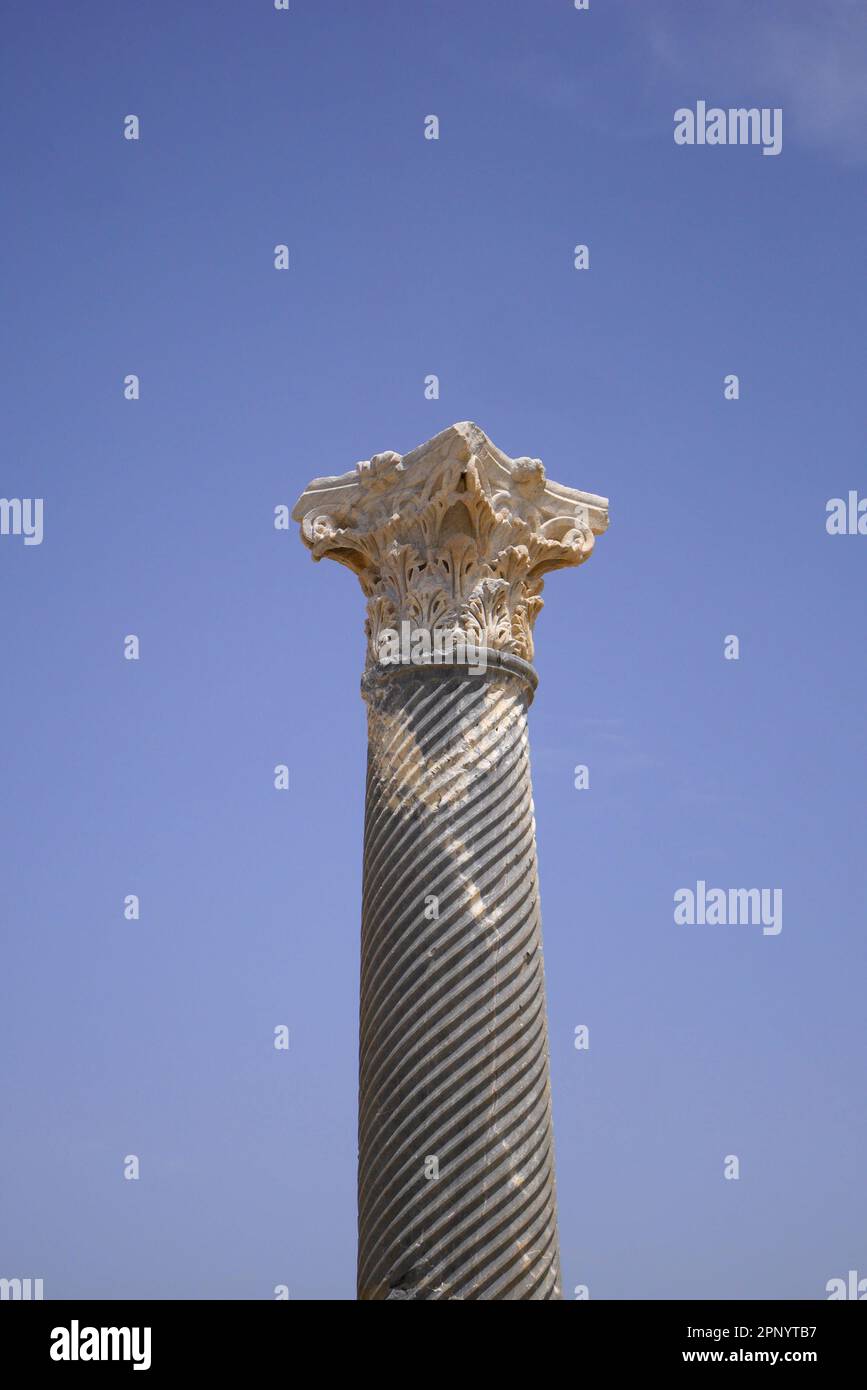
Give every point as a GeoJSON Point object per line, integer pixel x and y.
{"type": "Point", "coordinates": [451, 542]}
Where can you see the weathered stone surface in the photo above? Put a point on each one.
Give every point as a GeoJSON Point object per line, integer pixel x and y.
{"type": "Point", "coordinates": [456, 1166]}
{"type": "Point", "coordinates": [454, 1052]}
{"type": "Point", "coordinates": [453, 535]}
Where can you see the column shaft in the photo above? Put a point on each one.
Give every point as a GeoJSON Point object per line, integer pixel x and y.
{"type": "Point", "coordinates": [456, 1162]}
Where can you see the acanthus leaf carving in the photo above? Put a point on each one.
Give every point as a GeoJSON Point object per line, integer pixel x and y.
{"type": "Point", "coordinates": [454, 536]}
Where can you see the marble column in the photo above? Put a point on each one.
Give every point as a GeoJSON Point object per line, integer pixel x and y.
{"type": "Point", "coordinates": [451, 542]}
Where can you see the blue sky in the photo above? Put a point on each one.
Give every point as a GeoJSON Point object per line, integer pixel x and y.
{"type": "Point", "coordinates": [410, 257]}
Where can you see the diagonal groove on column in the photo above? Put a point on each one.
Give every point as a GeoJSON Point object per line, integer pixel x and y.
{"type": "Point", "coordinates": [452, 1017]}
{"type": "Point", "coordinates": [454, 1046]}
{"type": "Point", "coordinates": [442, 937]}
{"type": "Point", "coordinates": [460, 1106]}
{"type": "Point", "coordinates": [430, 836]}
{"type": "Point", "coordinates": [529, 1074]}
{"type": "Point", "coordinates": [408, 737]}
{"type": "Point", "coordinates": [462, 1190]}
{"type": "Point", "coordinates": [481, 1260]}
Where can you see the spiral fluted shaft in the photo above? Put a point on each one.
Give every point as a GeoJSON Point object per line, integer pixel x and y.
{"type": "Point", "coordinates": [456, 1159]}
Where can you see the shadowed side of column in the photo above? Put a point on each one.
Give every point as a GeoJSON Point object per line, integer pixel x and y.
{"type": "Point", "coordinates": [456, 1164]}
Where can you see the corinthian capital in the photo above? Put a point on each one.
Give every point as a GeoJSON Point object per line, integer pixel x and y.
{"type": "Point", "coordinates": [454, 537]}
